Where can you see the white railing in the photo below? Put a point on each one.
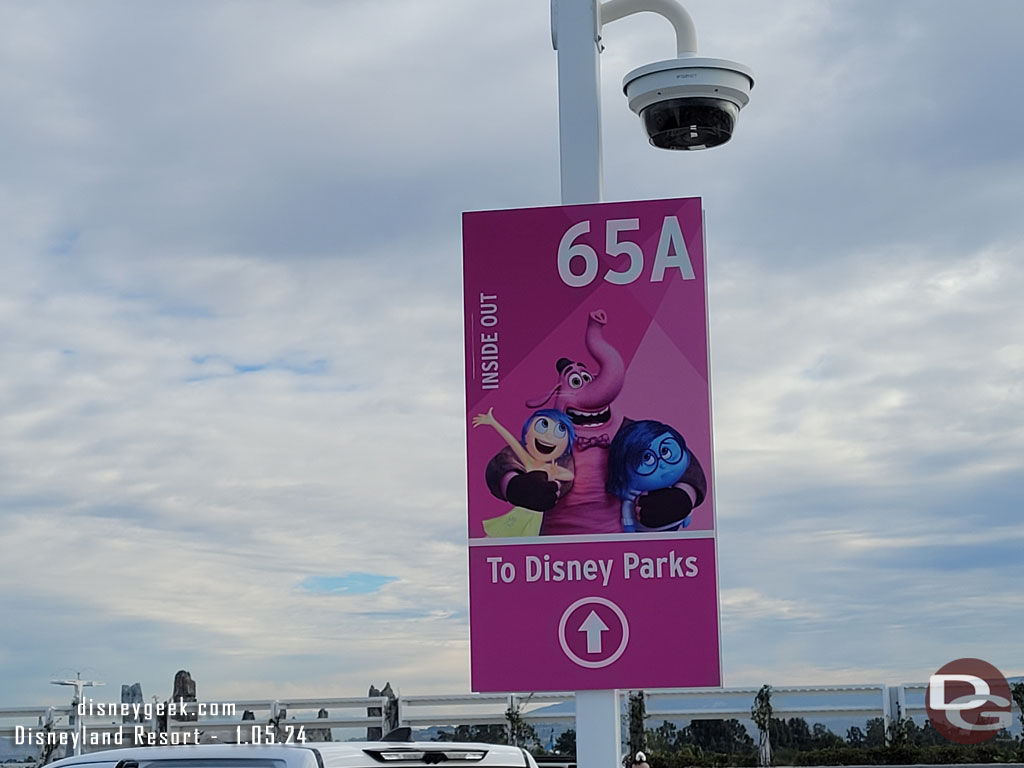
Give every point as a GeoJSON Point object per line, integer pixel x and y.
{"type": "Point", "coordinates": [425, 711]}
{"type": "Point", "coordinates": [41, 717]}
{"type": "Point", "coordinates": [909, 710]}
{"type": "Point", "coordinates": [779, 707]}
{"type": "Point", "coordinates": [680, 704]}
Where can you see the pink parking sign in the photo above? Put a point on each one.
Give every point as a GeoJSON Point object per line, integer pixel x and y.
{"type": "Point", "coordinates": [591, 506]}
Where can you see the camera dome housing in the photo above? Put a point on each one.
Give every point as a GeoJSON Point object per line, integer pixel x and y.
{"type": "Point", "coordinates": [690, 102]}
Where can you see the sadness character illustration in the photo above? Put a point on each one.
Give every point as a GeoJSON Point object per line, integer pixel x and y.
{"type": "Point", "coordinates": [645, 456]}
{"type": "Point", "coordinates": [547, 436]}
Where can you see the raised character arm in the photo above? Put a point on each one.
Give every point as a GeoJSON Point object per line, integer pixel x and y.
{"type": "Point", "coordinates": [488, 418]}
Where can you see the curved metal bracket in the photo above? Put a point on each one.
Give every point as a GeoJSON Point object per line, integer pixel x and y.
{"type": "Point", "coordinates": [686, 34]}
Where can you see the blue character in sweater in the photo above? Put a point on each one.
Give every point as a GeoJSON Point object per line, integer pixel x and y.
{"type": "Point", "coordinates": [645, 456]}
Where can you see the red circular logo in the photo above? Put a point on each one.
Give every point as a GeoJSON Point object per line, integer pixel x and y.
{"type": "Point", "coordinates": [969, 701]}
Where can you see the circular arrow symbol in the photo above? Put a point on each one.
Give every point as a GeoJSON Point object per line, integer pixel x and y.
{"type": "Point", "coordinates": [594, 627]}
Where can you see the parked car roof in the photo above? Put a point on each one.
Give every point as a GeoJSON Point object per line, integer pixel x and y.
{"type": "Point", "coordinates": [344, 754]}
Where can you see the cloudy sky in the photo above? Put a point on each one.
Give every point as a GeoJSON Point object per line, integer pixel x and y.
{"type": "Point", "coordinates": [231, 406]}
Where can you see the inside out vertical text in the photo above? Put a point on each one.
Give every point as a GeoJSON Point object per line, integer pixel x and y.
{"type": "Point", "coordinates": [488, 340]}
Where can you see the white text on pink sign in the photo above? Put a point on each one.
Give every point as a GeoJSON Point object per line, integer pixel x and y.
{"type": "Point", "coordinates": [534, 568]}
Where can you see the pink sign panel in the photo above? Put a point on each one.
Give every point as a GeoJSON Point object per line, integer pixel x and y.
{"type": "Point", "coordinates": [591, 507]}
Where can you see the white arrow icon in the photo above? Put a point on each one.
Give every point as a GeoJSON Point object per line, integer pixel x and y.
{"type": "Point", "coordinates": [593, 626]}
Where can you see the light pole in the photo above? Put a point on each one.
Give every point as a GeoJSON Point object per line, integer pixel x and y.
{"type": "Point", "coordinates": [78, 684]}
{"type": "Point", "coordinates": [685, 103]}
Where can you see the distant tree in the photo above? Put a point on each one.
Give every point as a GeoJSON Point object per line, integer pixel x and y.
{"type": "Point", "coordinates": [781, 733]}
{"type": "Point", "coordinates": [664, 738]}
{"type": "Point", "coordinates": [823, 738]}
{"type": "Point", "coordinates": [913, 734]}
{"type": "Point", "coordinates": [637, 715]}
{"type": "Point", "coordinates": [565, 744]}
{"type": "Point", "coordinates": [1017, 692]}
{"type": "Point", "coordinates": [927, 736]}
{"type": "Point", "coordinates": [49, 747]}
{"type": "Point", "coordinates": [901, 730]}
{"type": "Point", "coordinates": [799, 734]}
{"type": "Point", "coordinates": [875, 733]}
{"type": "Point", "coordinates": [520, 732]}
{"type": "Point", "coordinates": [855, 736]}
{"type": "Point", "coordinates": [727, 737]}
{"type": "Point", "coordinates": [761, 714]}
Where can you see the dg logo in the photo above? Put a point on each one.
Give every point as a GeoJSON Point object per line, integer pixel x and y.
{"type": "Point", "coordinates": [969, 701]}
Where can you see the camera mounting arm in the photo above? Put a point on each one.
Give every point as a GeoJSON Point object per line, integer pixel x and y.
{"type": "Point", "coordinates": [686, 35]}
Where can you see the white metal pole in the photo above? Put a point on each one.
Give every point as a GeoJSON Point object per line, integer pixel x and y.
{"type": "Point", "coordinates": [598, 729]}
{"type": "Point", "coordinates": [574, 26]}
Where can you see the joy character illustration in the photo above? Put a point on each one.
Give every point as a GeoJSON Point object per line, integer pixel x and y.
{"type": "Point", "coordinates": [547, 436]}
{"type": "Point", "coordinates": [646, 456]}
{"type": "Point", "coordinates": [584, 394]}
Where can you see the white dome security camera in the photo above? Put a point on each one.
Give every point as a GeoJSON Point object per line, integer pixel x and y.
{"type": "Point", "coordinates": [689, 102]}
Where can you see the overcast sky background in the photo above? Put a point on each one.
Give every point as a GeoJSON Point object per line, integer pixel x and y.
{"type": "Point", "coordinates": [231, 394]}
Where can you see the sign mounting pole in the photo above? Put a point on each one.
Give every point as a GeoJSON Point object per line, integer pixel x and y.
{"type": "Point", "coordinates": [575, 35]}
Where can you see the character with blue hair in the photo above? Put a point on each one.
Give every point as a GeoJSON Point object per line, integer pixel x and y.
{"type": "Point", "coordinates": [547, 436]}
{"type": "Point", "coordinates": [646, 456]}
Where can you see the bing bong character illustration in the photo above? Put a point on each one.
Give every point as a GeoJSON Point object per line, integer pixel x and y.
{"type": "Point", "coordinates": [646, 456]}
{"type": "Point", "coordinates": [547, 437]}
{"type": "Point", "coordinates": [584, 506]}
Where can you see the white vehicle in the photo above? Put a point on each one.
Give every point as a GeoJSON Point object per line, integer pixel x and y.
{"type": "Point", "coordinates": [345, 754]}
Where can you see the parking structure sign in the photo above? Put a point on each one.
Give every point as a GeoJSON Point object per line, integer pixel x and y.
{"type": "Point", "coordinates": [591, 501]}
